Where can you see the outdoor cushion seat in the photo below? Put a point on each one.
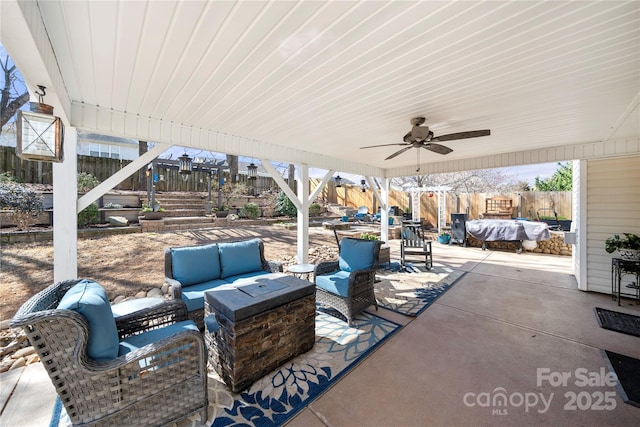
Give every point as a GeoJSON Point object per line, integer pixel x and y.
{"type": "Point", "coordinates": [193, 296]}
{"type": "Point", "coordinates": [336, 282]}
{"type": "Point", "coordinates": [156, 376]}
{"type": "Point", "coordinates": [135, 342]}
{"type": "Point", "coordinates": [347, 284]}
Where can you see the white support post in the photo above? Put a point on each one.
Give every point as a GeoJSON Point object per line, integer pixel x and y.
{"type": "Point", "coordinates": [384, 211]}
{"type": "Point", "coordinates": [302, 176]}
{"type": "Point", "coordinates": [65, 218]}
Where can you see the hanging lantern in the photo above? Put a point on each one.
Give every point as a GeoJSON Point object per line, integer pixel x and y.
{"type": "Point", "coordinates": [252, 171]}
{"type": "Point", "coordinates": [338, 180]}
{"type": "Point", "coordinates": [186, 166]}
{"type": "Point", "coordinates": [40, 134]}
{"type": "Point", "coordinates": [363, 185]}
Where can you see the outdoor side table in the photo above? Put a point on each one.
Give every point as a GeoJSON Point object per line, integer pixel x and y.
{"type": "Point", "coordinates": [300, 270]}
{"type": "Point", "coordinates": [620, 268]}
{"type": "Point", "coordinates": [262, 323]}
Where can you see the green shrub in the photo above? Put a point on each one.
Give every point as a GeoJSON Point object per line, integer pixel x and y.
{"type": "Point", "coordinates": [86, 182]}
{"type": "Point", "coordinates": [284, 206]}
{"type": "Point", "coordinates": [89, 215]}
{"type": "Point", "coordinates": [367, 236]}
{"type": "Point", "coordinates": [7, 177]}
{"type": "Point", "coordinates": [23, 202]}
{"type": "Point", "coordinates": [314, 209]}
{"type": "Point", "coordinates": [250, 210]}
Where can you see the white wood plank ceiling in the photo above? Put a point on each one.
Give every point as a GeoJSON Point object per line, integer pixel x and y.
{"type": "Point", "coordinates": [325, 78]}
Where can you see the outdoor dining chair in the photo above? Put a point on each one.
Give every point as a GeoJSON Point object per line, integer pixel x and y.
{"type": "Point", "coordinates": [346, 285]}
{"type": "Point", "coordinates": [143, 368]}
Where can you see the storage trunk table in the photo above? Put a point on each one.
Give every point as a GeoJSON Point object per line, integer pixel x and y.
{"type": "Point", "coordinates": [262, 323]}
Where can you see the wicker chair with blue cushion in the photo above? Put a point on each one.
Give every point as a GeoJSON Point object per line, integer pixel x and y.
{"type": "Point", "coordinates": [143, 368]}
{"type": "Point", "coordinates": [347, 284]}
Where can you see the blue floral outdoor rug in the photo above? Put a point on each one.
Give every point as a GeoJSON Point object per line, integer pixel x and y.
{"type": "Point", "coordinates": [277, 397]}
{"type": "Point", "coordinates": [411, 291]}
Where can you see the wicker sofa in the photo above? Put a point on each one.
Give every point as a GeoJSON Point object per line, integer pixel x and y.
{"type": "Point", "coordinates": [193, 270]}
{"type": "Point", "coordinates": [143, 368]}
{"type": "Point", "coordinates": [347, 284]}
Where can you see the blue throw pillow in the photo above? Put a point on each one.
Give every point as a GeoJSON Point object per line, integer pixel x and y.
{"type": "Point", "coordinates": [356, 254]}
{"type": "Point", "coordinates": [195, 264]}
{"type": "Point", "coordinates": [89, 299]}
{"type": "Point", "coordinates": [240, 257]}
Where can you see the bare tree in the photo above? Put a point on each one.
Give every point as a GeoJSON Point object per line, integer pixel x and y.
{"type": "Point", "coordinates": [476, 181]}
{"type": "Point", "coordinates": [233, 168]}
{"type": "Point", "coordinates": [12, 98]}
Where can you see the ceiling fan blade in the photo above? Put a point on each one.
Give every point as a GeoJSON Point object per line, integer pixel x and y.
{"type": "Point", "coordinates": [463, 135]}
{"type": "Point", "coordinates": [397, 153]}
{"type": "Point", "coordinates": [383, 145]}
{"type": "Point", "coordinates": [408, 138]}
{"type": "Point", "coordinates": [437, 148]}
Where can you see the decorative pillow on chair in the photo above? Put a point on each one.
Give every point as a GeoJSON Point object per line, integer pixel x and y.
{"type": "Point", "coordinates": [195, 264]}
{"type": "Point", "coordinates": [89, 299]}
{"type": "Point", "coordinates": [240, 257]}
{"type": "Point", "coordinates": [356, 254]}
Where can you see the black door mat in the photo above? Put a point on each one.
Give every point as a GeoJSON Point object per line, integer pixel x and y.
{"type": "Point", "coordinates": [619, 322]}
{"type": "Point", "coordinates": [627, 369]}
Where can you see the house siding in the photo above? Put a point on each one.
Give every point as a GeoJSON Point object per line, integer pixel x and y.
{"type": "Point", "coordinates": [613, 207]}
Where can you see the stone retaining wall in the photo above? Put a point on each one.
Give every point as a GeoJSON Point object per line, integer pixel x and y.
{"type": "Point", "coordinates": [554, 246]}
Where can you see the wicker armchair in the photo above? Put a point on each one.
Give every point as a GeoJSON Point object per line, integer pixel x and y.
{"type": "Point", "coordinates": [347, 284]}
{"type": "Point", "coordinates": [156, 384]}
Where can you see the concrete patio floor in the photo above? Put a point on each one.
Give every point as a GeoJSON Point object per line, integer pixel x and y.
{"type": "Point", "coordinates": [509, 316]}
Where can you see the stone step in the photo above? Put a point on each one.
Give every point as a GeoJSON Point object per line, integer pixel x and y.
{"type": "Point", "coordinates": [178, 201]}
{"type": "Point", "coordinates": [171, 206]}
{"type": "Point", "coordinates": [184, 212]}
{"type": "Point", "coordinates": [189, 226]}
{"type": "Point", "coordinates": [188, 220]}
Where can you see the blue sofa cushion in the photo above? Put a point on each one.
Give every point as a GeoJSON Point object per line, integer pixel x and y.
{"type": "Point", "coordinates": [134, 342]}
{"type": "Point", "coordinates": [193, 296]}
{"type": "Point", "coordinates": [336, 283]}
{"type": "Point", "coordinates": [356, 254]}
{"type": "Point", "coordinates": [89, 299]}
{"type": "Point", "coordinates": [240, 257]}
{"type": "Point", "coordinates": [239, 278]}
{"type": "Point", "coordinates": [195, 264]}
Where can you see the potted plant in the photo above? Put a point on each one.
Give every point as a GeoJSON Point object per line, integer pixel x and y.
{"type": "Point", "coordinates": [147, 212]}
{"type": "Point", "coordinates": [444, 237]}
{"type": "Point", "coordinates": [628, 247]}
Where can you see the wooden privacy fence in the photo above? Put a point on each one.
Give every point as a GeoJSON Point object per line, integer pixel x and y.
{"type": "Point", "coordinates": [526, 204]}
{"type": "Point", "coordinates": [35, 172]}
{"type": "Point", "coordinates": [531, 202]}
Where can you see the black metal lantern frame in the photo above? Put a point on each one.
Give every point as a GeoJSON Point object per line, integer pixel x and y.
{"type": "Point", "coordinates": [40, 135]}
{"type": "Point", "coordinates": [338, 180]}
{"type": "Point", "coordinates": [252, 172]}
{"type": "Point", "coordinates": [363, 185]}
{"type": "Point", "coordinates": [185, 167]}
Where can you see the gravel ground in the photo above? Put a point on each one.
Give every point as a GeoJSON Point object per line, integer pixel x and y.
{"type": "Point", "coordinates": [130, 263]}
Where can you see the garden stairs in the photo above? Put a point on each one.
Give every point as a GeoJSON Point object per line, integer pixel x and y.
{"type": "Point", "coordinates": [183, 211]}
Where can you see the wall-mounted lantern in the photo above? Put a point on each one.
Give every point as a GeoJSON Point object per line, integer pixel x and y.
{"type": "Point", "coordinates": [363, 185]}
{"type": "Point", "coordinates": [186, 166]}
{"type": "Point", "coordinates": [40, 135]}
{"type": "Point", "coordinates": [338, 180]}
